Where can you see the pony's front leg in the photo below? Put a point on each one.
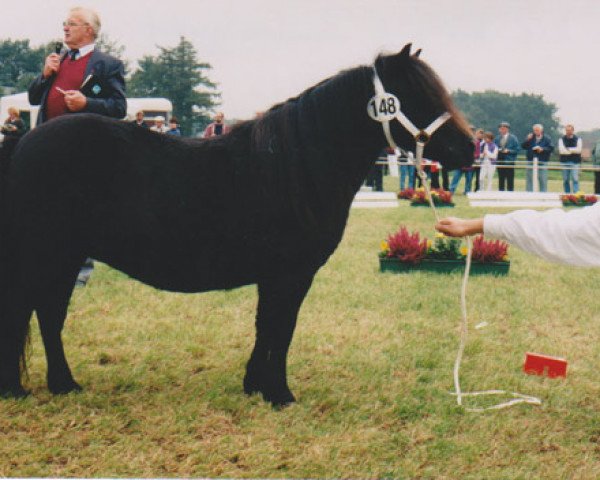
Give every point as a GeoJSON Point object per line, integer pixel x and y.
{"type": "Point", "coordinates": [279, 300]}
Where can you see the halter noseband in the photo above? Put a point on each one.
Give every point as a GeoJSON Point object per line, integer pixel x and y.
{"type": "Point", "coordinates": [384, 107]}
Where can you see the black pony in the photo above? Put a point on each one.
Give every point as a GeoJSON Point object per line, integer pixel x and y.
{"type": "Point", "coordinates": [265, 204]}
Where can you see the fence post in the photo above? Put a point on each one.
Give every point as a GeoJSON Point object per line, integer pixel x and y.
{"type": "Point", "coordinates": [536, 187]}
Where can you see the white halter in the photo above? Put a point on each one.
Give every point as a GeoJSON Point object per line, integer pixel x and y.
{"type": "Point", "coordinates": [384, 107]}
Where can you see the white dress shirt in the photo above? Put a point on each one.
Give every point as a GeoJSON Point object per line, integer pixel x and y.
{"type": "Point", "coordinates": [556, 235]}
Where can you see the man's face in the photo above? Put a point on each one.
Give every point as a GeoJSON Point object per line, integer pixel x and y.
{"type": "Point", "coordinates": [139, 116]}
{"type": "Point", "coordinates": [219, 118]}
{"type": "Point", "coordinates": [569, 131]}
{"type": "Point", "coordinates": [76, 32]}
{"type": "Point", "coordinates": [537, 131]}
{"type": "Point", "coordinates": [503, 130]}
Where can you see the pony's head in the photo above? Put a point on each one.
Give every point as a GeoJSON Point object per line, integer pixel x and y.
{"type": "Point", "coordinates": [423, 98]}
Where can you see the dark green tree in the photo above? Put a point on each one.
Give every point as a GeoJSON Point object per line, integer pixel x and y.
{"type": "Point", "coordinates": [19, 63]}
{"type": "Point", "coordinates": [487, 109]}
{"type": "Point", "coordinates": [176, 74]}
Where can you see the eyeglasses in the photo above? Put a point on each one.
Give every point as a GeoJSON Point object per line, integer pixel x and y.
{"type": "Point", "coordinates": [73, 24]}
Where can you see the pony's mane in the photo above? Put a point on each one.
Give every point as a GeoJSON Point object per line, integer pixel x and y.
{"type": "Point", "coordinates": [418, 74]}
{"type": "Point", "coordinates": [263, 126]}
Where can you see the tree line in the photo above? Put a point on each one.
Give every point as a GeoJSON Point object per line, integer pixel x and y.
{"type": "Point", "coordinates": [487, 109]}
{"type": "Point", "coordinates": [175, 73]}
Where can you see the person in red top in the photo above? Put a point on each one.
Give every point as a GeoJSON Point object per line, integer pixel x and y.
{"type": "Point", "coordinates": [82, 78]}
{"type": "Point", "coordinates": [217, 127]}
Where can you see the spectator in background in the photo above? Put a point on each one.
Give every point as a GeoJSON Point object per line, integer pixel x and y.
{"type": "Point", "coordinates": [407, 172]}
{"type": "Point", "coordinates": [139, 119]}
{"type": "Point", "coordinates": [488, 163]}
{"type": "Point", "coordinates": [375, 176]}
{"type": "Point", "coordinates": [477, 153]}
{"type": "Point", "coordinates": [596, 163]}
{"type": "Point", "coordinates": [217, 127]}
{"type": "Point", "coordinates": [174, 127]}
{"type": "Point", "coordinates": [13, 127]}
{"type": "Point", "coordinates": [468, 171]}
{"type": "Point", "coordinates": [12, 130]}
{"type": "Point", "coordinates": [159, 125]}
{"type": "Point", "coordinates": [538, 145]}
{"type": "Point", "coordinates": [508, 147]}
{"type": "Point", "coordinates": [569, 148]}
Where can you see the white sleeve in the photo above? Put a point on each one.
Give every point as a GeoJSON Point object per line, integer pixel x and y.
{"type": "Point", "coordinates": [561, 148]}
{"type": "Point", "coordinates": [555, 235]}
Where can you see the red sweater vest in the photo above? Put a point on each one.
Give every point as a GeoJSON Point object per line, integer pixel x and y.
{"type": "Point", "coordinates": [69, 77]}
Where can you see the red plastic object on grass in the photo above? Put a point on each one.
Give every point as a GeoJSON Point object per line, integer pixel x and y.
{"type": "Point", "coordinates": [538, 364]}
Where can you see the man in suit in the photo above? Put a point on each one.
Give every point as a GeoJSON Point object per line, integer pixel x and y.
{"type": "Point", "coordinates": [508, 147]}
{"type": "Point", "coordinates": [81, 79]}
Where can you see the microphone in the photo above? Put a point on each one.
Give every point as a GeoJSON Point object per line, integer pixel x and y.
{"type": "Point", "coordinates": [58, 47]}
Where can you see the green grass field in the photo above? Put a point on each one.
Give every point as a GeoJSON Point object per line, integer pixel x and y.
{"type": "Point", "coordinates": [370, 364]}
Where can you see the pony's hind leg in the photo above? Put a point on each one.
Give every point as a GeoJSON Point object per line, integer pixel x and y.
{"type": "Point", "coordinates": [278, 305]}
{"type": "Point", "coordinates": [51, 309]}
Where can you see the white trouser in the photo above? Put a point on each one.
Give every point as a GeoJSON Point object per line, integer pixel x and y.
{"type": "Point", "coordinates": [486, 174]}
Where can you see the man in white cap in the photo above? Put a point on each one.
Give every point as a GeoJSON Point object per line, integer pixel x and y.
{"type": "Point", "coordinates": [159, 125]}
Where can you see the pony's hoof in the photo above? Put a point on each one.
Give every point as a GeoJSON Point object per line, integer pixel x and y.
{"type": "Point", "coordinates": [64, 388]}
{"type": "Point", "coordinates": [280, 400]}
{"type": "Point", "coordinates": [278, 397]}
{"type": "Point", "coordinates": [14, 392]}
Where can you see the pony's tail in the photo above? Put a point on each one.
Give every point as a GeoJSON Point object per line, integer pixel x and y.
{"type": "Point", "coordinates": [14, 334]}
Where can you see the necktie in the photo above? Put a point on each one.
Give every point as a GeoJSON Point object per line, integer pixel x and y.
{"type": "Point", "coordinates": [73, 53]}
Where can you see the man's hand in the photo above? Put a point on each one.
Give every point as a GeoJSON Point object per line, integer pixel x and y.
{"type": "Point", "coordinates": [458, 227]}
{"type": "Point", "coordinates": [51, 65]}
{"type": "Point", "coordinates": [75, 100]}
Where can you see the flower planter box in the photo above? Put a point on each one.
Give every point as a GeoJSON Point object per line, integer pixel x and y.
{"type": "Point", "coordinates": [437, 205]}
{"type": "Point", "coordinates": [443, 266]}
{"type": "Point", "coordinates": [578, 200]}
{"type": "Point", "coordinates": [569, 204]}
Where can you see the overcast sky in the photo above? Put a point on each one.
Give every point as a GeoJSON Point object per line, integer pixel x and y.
{"type": "Point", "coordinates": [264, 51]}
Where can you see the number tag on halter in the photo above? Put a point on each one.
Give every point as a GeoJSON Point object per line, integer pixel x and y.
{"type": "Point", "coordinates": [383, 107]}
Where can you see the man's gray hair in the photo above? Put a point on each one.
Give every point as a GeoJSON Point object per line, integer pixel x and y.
{"type": "Point", "coordinates": [89, 16]}
{"type": "Point", "coordinates": [539, 125]}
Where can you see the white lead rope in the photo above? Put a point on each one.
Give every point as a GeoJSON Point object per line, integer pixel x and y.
{"type": "Point", "coordinates": [464, 330]}
{"type": "Point", "coordinates": [380, 109]}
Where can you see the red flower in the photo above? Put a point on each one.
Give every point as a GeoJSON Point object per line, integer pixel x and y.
{"type": "Point", "coordinates": [486, 251]}
{"type": "Point", "coordinates": [406, 194]}
{"type": "Point", "coordinates": [406, 247]}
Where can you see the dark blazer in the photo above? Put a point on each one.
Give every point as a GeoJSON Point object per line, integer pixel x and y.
{"type": "Point", "coordinates": [105, 92]}
{"type": "Point", "coordinates": [512, 145]}
{"type": "Point", "coordinates": [544, 142]}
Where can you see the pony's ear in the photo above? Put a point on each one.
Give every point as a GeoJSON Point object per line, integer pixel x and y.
{"type": "Point", "coordinates": [405, 52]}
{"type": "Point", "coordinates": [417, 53]}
